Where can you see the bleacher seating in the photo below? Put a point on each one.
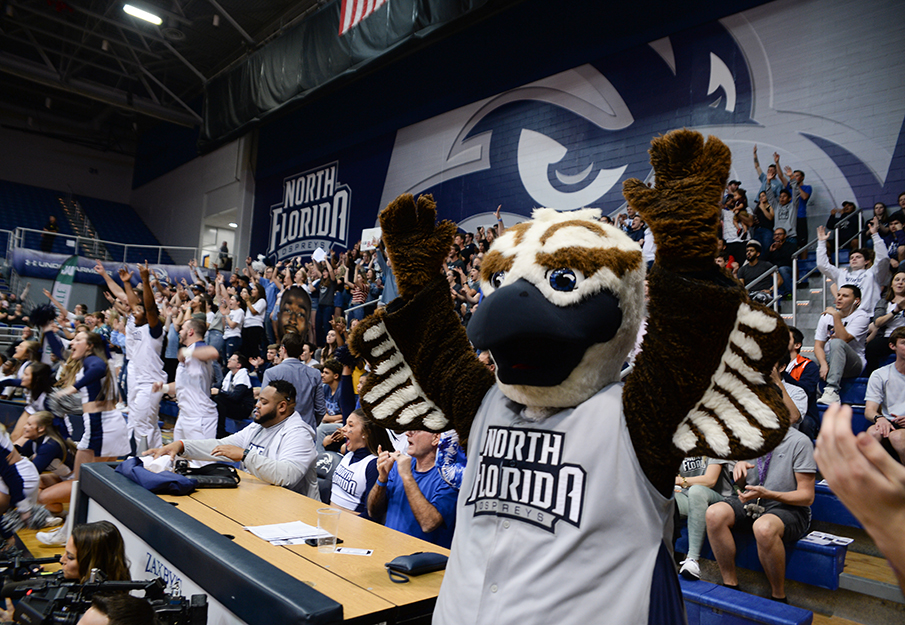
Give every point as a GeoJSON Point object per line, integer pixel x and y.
{"type": "Point", "coordinates": [25, 206]}
{"type": "Point", "coordinates": [829, 509]}
{"type": "Point", "coordinates": [806, 562]}
{"type": "Point", "coordinates": [109, 222]}
{"type": "Point", "coordinates": [709, 604]}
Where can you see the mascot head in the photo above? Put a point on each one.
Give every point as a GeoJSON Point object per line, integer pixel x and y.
{"type": "Point", "coordinates": [564, 297]}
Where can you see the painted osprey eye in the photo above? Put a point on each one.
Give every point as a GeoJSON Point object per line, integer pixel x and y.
{"type": "Point", "coordinates": [497, 279]}
{"type": "Point", "coordinates": [563, 280]}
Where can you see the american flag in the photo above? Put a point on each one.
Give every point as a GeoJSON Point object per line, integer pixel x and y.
{"type": "Point", "coordinates": [354, 11]}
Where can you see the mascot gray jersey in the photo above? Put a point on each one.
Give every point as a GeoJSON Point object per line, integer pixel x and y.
{"type": "Point", "coordinates": [565, 499]}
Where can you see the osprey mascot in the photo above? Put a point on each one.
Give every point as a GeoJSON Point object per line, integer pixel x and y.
{"type": "Point", "coordinates": [565, 508]}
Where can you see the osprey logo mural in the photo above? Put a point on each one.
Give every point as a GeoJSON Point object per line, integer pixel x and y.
{"type": "Point", "coordinates": [569, 140]}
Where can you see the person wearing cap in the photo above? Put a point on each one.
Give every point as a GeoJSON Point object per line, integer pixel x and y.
{"type": "Point", "coordinates": [754, 268]}
{"type": "Point", "coordinates": [845, 219]}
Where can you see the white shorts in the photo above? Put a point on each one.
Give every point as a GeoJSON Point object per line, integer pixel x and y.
{"type": "Point", "coordinates": [106, 433]}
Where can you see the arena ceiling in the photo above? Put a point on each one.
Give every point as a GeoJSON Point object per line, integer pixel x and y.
{"type": "Point", "coordinates": [85, 71]}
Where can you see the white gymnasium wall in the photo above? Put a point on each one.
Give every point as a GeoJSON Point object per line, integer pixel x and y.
{"type": "Point", "coordinates": [174, 205]}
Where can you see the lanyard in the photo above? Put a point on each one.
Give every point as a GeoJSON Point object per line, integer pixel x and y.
{"type": "Point", "coordinates": [763, 465]}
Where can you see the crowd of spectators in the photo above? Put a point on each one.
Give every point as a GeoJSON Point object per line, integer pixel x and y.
{"type": "Point", "coordinates": [265, 344]}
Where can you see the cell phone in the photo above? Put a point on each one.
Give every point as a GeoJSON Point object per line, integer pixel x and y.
{"type": "Point", "coordinates": [312, 542]}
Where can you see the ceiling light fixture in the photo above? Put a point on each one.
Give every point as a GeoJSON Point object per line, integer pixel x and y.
{"type": "Point", "coordinates": [142, 14]}
{"type": "Point", "coordinates": [233, 225]}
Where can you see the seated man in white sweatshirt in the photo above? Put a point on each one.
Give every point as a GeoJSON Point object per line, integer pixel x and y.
{"type": "Point", "coordinates": [277, 448]}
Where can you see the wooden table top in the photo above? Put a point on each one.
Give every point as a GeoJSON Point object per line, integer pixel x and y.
{"type": "Point", "coordinates": [360, 583]}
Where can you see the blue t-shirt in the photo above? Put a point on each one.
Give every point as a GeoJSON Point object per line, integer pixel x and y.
{"type": "Point", "coordinates": [438, 493]}
{"type": "Point", "coordinates": [331, 399]}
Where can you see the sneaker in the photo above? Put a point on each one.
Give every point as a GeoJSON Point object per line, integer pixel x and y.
{"type": "Point", "coordinates": [690, 569]}
{"type": "Point", "coordinates": [56, 538]}
{"type": "Point", "coordinates": [52, 521]}
{"type": "Point", "coordinates": [830, 396]}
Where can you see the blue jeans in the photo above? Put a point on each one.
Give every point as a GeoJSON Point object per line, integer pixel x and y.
{"type": "Point", "coordinates": [233, 344]}
{"type": "Point", "coordinates": [786, 273]}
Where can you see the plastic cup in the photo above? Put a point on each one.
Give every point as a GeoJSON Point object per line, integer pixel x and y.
{"type": "Point", "coordinates": [328, 521]}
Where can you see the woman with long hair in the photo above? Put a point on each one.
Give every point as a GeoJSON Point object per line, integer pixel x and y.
{"type": "Point", "coordinates": [37, 380]}
{"type": "Point", "coordinates": [215, 325]}
{"type": "Point", "coordinates": [25, 353]}
{"type": "Point", "coordinates": [889, 314]}
{"type": "Point", "coordinates": [47, 449]}
{"type": "Point", "coordinates": [253, 326]}
{"type": "Point", "coordinates": [329, 348]}
{"type": "Point", "coordinates": [355, 475]}
{"type": "Point", "coordinates": [233, 320]}
{"type": "Point", "coordinates": [95, 546]}
{"type": "Point", "coordinates": [106, 436]}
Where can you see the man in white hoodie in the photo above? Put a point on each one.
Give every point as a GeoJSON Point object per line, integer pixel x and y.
{"type": "Point", "coordinates": [868, 278]}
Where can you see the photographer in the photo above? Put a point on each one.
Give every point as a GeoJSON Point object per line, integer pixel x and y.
{"type": "Point", "coordinates": [91, 546]}
{"type": "Point", "coordinates": [95, 546]}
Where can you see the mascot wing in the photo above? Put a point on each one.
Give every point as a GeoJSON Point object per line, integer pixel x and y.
{"type": "Point", "coordinates": [424, 373]}
{"type": "Point", "coordinates": [701, 384]}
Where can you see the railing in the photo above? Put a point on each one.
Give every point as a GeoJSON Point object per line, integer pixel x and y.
{"type": "Point", "coordinates": [373, 302]}
{"type": "Point", "coordinates": [29, 238]}
{"type": "Point", "coordinates": [774, 302]}
{"type": "Point", "coordinates": [813, 244]}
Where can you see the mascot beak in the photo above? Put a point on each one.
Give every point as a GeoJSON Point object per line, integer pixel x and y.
{"type": "Point", "coordinates": [534, 342]}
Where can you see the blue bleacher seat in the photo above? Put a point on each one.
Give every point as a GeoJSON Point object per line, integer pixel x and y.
{"type": "Point", "coordinates": [853, 390]}
{"type": "Point", "coordinates": [114, 221]}
{"type": "Point", "coordinates": [232, 426]}
{"type": "Point", "coordinates": [806, 562]}
{"type": "Point", "coordinates": [709, 604]}
{"type": "Point", "coordinates": [859, 422]}
{"type": "Point", "coordinates": [829, 509]}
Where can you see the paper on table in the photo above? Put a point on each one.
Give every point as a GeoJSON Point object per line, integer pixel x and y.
{"type": "Point", "coordinates": [294, 530]}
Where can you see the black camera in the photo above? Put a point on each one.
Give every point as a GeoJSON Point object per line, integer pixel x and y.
{"type": "Point", "coordinates": [15, 567]}
{"type": "Point", "coordinates": [55, 600]}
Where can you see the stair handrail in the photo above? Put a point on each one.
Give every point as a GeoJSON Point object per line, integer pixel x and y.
{"type": "Point", "coordinates": [813, 243]}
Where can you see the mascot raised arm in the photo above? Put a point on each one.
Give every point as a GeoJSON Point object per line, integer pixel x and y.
{"type": "Point", "coordinates": [565, 508]}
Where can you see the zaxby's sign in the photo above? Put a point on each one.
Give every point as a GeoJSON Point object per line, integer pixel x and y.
{"type": "Point", "coordinates": [313, 212]}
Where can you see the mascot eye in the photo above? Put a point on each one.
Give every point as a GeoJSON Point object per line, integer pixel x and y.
{"type": "Point", "coordinates": [497, 279]}
{"type": "Point", "coordinates": [563, 280]}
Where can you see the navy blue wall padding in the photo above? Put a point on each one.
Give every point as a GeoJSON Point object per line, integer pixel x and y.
{"type": "Point", "coordinates": [806, 562]}
{"type": "Point", "coordinates": [709, 604]}
{"type": "Point", "coordinates": [255, 591]}
{"type": "Point", "coordinates": [163, 483]}
{"type": "Point", "coordinates": [828, 508]}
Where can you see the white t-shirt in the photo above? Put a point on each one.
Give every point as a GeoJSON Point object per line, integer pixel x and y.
{"type": "Point", "coordinates": [256, 320]}
{"type": "Point", "coordinates": [886, 386]}
{"type": "Point", "coordinates": [730, 230]}
{"type": "Point", "coordinates": [896, 322]}
{"type": "Point", "coordinates": [193, 385]}
{"type": "Point", "coordinates": [857, 325]}
{"type": "Point", "coordinates": [238, 317]}
{"type": "Point", "coordinates": [143, 352]}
